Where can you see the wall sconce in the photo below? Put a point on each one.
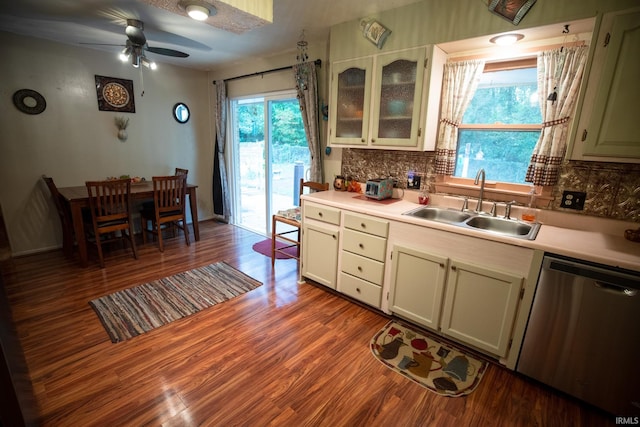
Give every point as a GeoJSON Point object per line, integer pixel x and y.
{"type": "Point", "coordinates": [374, 31]}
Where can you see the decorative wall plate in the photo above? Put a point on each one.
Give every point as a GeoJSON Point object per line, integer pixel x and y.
{"type": "Point", "coordinates": [115, 94]}
{"type": "Point", "coordinates": [29, 101]}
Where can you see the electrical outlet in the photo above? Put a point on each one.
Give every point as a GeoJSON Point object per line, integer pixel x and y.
{"type": "Point", "coordinates": [573, 200]}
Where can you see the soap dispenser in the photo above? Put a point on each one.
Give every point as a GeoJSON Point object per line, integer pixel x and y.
{"type": "Point", "coordinates": [529, 213]}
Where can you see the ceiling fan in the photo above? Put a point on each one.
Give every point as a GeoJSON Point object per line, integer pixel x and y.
{"type": "Point", "coordinates": [136, 45]}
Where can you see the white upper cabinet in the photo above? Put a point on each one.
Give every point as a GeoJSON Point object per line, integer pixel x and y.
{"type": "Point", "coordinates": [351, 97]}
{"type": "Point", "coordinates": [608, 127]}
{"type": "Point", "coordinates": [388, 100]}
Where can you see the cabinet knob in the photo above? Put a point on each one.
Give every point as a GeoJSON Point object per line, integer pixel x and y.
{"type": "Point", "coordinates": [359, 268]}
{"type": "Point", "coordinates": [363, 140]}
{"type": "Point", "coordinates": [361, 246]}
{"type": "Point", "coordinates": [358, 290]}
{"type": "Point", "coordinates": [442, 265]}
{"type": "Point", "coordinates": [373, 140]}
{"type": "Point", "coordinates": [320, 214]}
{"type": "Point", "coordinates": [453, 268]}
{"type": "Point", "coordinates": [363, 225]}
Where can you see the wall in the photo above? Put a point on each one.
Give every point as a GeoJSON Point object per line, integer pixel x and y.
{"type": "Point", "coordinates": [281, 80]}
{"type": "Point", "coordinates": [613, 190]}
{"type": "Point", "coordinates": [73, 141]}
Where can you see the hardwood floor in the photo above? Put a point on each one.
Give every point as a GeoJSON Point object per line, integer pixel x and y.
{"type": "Point", "coordinates": [285, 354]}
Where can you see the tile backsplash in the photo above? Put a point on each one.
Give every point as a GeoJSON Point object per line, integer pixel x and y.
{"type": "Point", "coordinates": [613, 189]}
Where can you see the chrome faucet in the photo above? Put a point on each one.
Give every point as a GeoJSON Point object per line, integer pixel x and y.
{"type": "Point", "coordinates": [480, 175]}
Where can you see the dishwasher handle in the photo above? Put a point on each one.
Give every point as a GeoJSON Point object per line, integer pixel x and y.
{"type": "Point", "coordinates": [610, 276]}
{"type": "Point", "coordinates": [615, 289]}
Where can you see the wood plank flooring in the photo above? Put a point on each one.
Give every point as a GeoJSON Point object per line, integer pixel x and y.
{"type": "Point", "coordinates": [285, 354]}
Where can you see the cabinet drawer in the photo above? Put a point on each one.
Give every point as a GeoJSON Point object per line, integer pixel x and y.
{"type": "Point", "coordinates": [322, 213]}
{"type": "Point", "coordinates": [362, 267]}
{"type": "Point", "coordinates": [360, 289]}
{"type": "Point", "coordinates": [366, 224]}
{"type": "Point", "coordinates": [364, 244]}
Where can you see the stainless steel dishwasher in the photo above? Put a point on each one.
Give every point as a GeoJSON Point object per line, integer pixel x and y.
{"type": "Point", "coordinates": [583, 335]}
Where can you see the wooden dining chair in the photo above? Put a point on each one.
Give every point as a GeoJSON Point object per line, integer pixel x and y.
{"type": "Point", "coordinates": [180, 171]}
{"type": "Point", "coordinates": [292, 226]}
{"type": "Point", "coordinates": [169, 195]}
{"type": "Point", "coordinates": [64, 212]}
{"type": "Point", "coordinates": [110, 207]}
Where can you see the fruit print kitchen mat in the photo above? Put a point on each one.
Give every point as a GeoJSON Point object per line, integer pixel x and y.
{"type": "Point", "coordinates": [441, 368]}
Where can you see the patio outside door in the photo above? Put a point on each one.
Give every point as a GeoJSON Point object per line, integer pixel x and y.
{"type": "Point", "coordinates": [270, 155]}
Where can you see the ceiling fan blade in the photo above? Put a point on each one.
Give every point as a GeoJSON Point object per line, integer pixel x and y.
{"type": "Point", "coordinates": [101, 44]}
{"type": "Point", "coordinates": [167, 52]}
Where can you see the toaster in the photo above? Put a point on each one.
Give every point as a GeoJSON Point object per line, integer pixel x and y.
{"type": "Point", "coordinates": [379, 189]}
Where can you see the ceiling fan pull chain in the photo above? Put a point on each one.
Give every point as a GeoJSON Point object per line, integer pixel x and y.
{"type": "Point", "coordinates": [142, 82]}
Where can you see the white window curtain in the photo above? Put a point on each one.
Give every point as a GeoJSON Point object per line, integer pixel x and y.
{"type": "Point", "coordinates": [221, 199]}
{"type": "Point", "coordinates": [559, 75]}
{"type": "Point", "coordinates": [307, 90]}
{"type": "Point", "coordinates": [460, 82]}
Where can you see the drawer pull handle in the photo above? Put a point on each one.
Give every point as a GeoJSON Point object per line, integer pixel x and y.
{"type": "Point", "coordinates": [361, 246]}
{"type": "Point", "coordinates": [442, 264]}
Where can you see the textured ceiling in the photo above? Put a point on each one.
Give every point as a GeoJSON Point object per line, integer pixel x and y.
{"type": "Point", "coordinates": [91, 23]}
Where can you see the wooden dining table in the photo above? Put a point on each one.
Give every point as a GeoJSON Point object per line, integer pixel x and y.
{"type": "Point", "coordinates": [78, 198]}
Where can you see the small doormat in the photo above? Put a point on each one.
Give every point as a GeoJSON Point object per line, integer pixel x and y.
{"type": "Point", "coordinates": [137, 310]}
{"type": "Point", "coordinates": [264, 248]}
{"type": "Point", "coordinates": [439, 367]}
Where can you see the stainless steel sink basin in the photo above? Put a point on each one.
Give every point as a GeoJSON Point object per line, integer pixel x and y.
{"type": "Point", "coordinates": [480, 222]}
{"type": "Point", "coordinates": [439, 214]}
{"type": "Point", "coordinates": [507, 227]}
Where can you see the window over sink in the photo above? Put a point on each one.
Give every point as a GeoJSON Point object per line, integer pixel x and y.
{"type": "Point", "coordinates": [502, 124]}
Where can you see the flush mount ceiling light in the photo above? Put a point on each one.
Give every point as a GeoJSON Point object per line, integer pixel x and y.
{"type": "Point", "coordinates": [506, 39]}
{"type": "Point", "coordinates": [197, 9]}
{"type": "Point", "coordinates": [197, 12]}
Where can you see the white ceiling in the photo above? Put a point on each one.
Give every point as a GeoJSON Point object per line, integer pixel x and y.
{"type": "Point", "coordinates": [76, 22]}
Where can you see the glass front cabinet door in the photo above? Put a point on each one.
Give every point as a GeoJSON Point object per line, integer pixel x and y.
{"type": "Point", "coordinates": [398, 91]}
{"type": "Point", "coordinates": [351, 92]}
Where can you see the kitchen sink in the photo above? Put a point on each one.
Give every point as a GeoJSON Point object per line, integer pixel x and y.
{"type": "Point", "coordinates": [439, 214]}
{"type": "Point", "coordinates": [507, 227]}
{"type": "Point", "coordinates": [476, 221]}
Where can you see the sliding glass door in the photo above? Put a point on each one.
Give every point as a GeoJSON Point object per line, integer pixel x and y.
{"type": "Point", "coordinates": [270, 155]}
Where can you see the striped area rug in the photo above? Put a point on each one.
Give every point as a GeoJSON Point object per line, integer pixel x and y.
{"type": "Point", "coordinates": [134, 311]}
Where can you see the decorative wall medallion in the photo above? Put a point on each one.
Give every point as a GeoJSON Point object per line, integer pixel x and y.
{"type": "Point", "coordinates": [115, 94]}
{"type": "Point", "coordinates": [511, 10]}
{"type": "Point", "coordinates": [29, 101]}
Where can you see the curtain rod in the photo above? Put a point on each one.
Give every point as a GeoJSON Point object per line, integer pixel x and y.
{"type": "Point", "coordinates": [318, 63]}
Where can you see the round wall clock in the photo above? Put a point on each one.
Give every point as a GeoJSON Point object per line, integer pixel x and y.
{"type": "Point", "coordinates": [29, 101]}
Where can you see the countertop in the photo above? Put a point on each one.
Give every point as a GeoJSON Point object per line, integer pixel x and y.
{"type": "Point", "coordinates": [578, 236]}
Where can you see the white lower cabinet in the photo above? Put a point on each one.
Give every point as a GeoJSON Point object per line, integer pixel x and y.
{"type": "Point", "coordinates": [320, 240]}
{"type": "Point", "coordinates": [462, 287]}
{"type": "Point", "coordinates": [480, 306]}
{"type": "Point", "coordinates": [417, 285]}
{"type": "Point", "coordinates": [364, 245]}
